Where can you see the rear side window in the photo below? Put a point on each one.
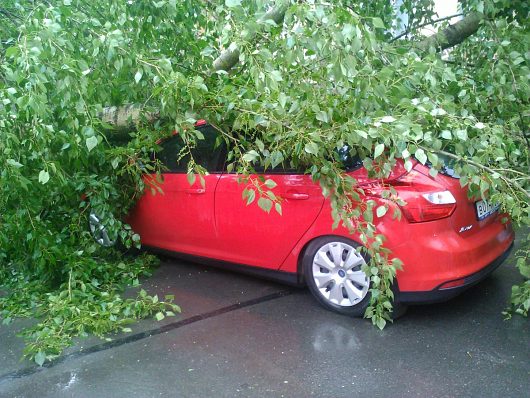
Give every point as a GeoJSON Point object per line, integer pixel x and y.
{"type": "Point", "coordinates": [170, 152]}
{"type": "Point", "coordinates": [349, 161]}
{"type": "Point", "coordinates": [209, 153]}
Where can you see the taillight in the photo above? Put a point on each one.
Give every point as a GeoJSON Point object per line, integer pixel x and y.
{"type": "Point", "coordinates": [440, 198]}
{"type": "Point", "coordinates": [422, 209]}
{"type": "Point", "coordinates": [426, 199]}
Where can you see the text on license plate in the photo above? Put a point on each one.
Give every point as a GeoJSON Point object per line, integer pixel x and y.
{"type": "Point", "coordinates": [485, 209]}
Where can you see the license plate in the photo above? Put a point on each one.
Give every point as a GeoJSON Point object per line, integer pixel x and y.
{"type": "Point", "coordinates": [485, 209]}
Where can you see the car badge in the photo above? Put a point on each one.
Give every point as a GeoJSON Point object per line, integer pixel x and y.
{"type": "Point", "coordinates": [466, 228]}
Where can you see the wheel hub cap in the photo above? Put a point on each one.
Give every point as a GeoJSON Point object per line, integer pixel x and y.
{"type": "Point", "coordinates": [338, 275]}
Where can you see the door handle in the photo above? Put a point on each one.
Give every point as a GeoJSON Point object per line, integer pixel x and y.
{"type": "Point", "coordinates": [296, 195]}
{"type": "Point", "coordinates": [195, 191]}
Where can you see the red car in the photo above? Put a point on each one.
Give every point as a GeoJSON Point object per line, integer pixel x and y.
{"type": "Point", "coordinates": [446, 242]}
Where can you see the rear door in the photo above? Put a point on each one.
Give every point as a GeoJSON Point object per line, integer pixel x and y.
{"type": "Point", "coordinates": [248, 235]}
{"type": "Point", "coordinates": [182, 218]}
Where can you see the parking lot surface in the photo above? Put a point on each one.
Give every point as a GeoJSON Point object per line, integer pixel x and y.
{"type": "Point", "coordinates": [239, 336]}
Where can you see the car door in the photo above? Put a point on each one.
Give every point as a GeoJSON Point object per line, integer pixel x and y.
{"type": "Point", "coordinates": [181, 219]}
{"type": "Point", "coordinates": [248, 235]}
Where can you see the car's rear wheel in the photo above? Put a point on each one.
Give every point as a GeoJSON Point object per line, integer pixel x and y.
{"type": "Point", "coordinates": [334, 275]}
{"type": "Point", "coordinates": [100, 231]}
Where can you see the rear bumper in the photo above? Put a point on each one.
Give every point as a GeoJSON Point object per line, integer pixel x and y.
{"type": "Point", "coordinates": [438, 294]}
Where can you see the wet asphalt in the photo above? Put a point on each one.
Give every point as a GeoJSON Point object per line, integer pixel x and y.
{"type": "Point", "coordinates": [239, 336]}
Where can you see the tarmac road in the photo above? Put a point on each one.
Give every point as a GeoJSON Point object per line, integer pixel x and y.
{"type": "Point", "coordinates": [243, 337]}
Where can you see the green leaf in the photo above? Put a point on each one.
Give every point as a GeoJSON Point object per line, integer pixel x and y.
{"type": "Point", "coordinates": [191, 177]}
{"type": "Point", "coordinates": [282, 99]}
{"type": "Point", "coordinates": [250, 156]}
{"type": "Point", "coordinates": [44, 177]}
{"type": "Point", "coordinates": [311, 148]}
{"type": "Point", "coordinates": [379, 148]}
{"type": "Point", "coordinates": [14, 163]}
{"type": "Point", "coordinates": [270, 184]}
{"type": "Point", "coordinates": [368, 215]}
{"type": "Point", "coordinates": [91, 143]}
{"type": "Point", "coordinates": [63, 64]}
{"type": "Point", "coordinates": [438, 112]}
{"type": "Point", "coordinates": [381, 323]}
{"type": "Point", "coordinates": [12, 51]}
{"type": "Point", "coordinates": [378, 23]}
{"type": "Point", "coordinates": [251, 196]}
{"type": "Point", "coordinates": [276, 76]}
{"type": "Point", "coordinates": [322, 116]}
{"type": "Point", "coordinates": [265, 204]}
{"type": "Point", "coordinates": [381, 211]}
{"type": "Point", "coordinates": [232, 3]}
{"type": "Point", "coordinates": [159, 316]}
{"type": "Point", "coordinates": [461, 134]}
{"type": "Point", "coordinates": [433, 172]}
{"type": "Point", "coordinates": [446, 134]}
{"type": "Point", "coordinates": [388, 119]}
{"type": "Point", "coordinates": [421, 156]}
{"type": "Point", "coordinates": [40, 357]}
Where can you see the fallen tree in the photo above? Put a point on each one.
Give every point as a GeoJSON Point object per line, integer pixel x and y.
{"type": "Point", "coordinates": [325, 77]}
{"type": "Point", "coordinates": [128, 116]}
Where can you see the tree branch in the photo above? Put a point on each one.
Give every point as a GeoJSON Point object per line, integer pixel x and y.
{"type": "Point", "coordinates": [13, 18]}
{"type": "Point", "coordinates": [424, 25]}
{"type": "Point", "coordinates": [126, 116]}
{"type": "Point", "coordinates": [123, 117]}
{"type": "Point", "coordinates": [506, 180]}
{"type": "Point", "coordinates": [453, 34]}
{"type": "Point", "coordinates": [230, 57]}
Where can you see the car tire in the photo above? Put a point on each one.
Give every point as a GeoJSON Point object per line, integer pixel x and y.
{"type": "Point", "coordinates": [398, 310]}
{"type": "Point", "coordinates": [332, 270]}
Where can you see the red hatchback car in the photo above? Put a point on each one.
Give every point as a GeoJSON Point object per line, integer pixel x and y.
{"type": "Point", "coordinates": [446, 242]}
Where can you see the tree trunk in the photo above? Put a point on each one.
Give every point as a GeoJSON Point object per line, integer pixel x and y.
{"type": "Point", "coordinates": [453, 34]}
{"type": "Point", "coordinates": [229, 58]}
{"type": "Point", "coordinates": [125, 117]}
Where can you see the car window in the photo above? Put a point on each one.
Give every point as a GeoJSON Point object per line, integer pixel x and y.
{"type": "Point", "coordinates": [349, 161]}
{"type": "Point", "coordinates": [282, 168]}
{"type": "Point", "coordinates": [209, 153]}
{"type": "Point", "coordinates": [344, 155]}
{"type": "Point", "coordinates": [170, 152]}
